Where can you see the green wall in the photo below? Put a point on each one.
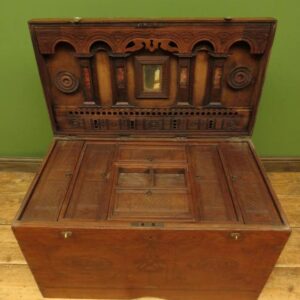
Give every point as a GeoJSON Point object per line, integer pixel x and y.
{"type": "Point", "coordinates": [24, 125]}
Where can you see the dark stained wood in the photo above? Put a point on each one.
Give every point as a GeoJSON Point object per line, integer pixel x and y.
{"type": "Point", "coordinates": [212, 75]}
{"type": "Point", "coordinates": [152, 189]}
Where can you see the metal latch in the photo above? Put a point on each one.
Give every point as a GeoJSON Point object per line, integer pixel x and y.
{"type": "Point", "coordinates": [124, 136]}
{"type": "Point", "coordinates": [180, 137]}
{"type": "Point", "coordinates": [147, 224]}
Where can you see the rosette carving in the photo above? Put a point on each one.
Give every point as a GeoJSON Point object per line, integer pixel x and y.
{"type": "Point", "coordinates": [66, 82]}
{"type": "Point", "coordinates": [239, 78]}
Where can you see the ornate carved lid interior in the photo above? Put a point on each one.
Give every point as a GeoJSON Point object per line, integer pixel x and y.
{"type": "Point", "coordinates": [152, 77]}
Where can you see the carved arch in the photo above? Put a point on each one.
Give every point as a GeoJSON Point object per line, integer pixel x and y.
{"type": "Point", "coordinates": [99, 45]}
{"type": "Point", "coordinates": [205, 39]}
{"type": "Point", "coordinates": [251, 46]}
{"type": "Point", "coordinates": [103, 43]}
{"type": "Point", "coordinates": [64, 42]}
{"type": "Point", "coordinates": [204, 45]}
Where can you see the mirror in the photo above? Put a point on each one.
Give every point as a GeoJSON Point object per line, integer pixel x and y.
{"type": "Point", "coordinates": [152, 78]}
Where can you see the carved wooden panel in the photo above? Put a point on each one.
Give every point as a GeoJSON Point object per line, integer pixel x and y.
{"type": "Point", "coordinates": [144, 192]}
{"type": "Point", "coordinates": [106, 121]}
{"type": "Point", "coordinates": [159, 77]}
{"type": "Point", "coordinates": [191, 181]}
{"type": "Point", "coordinates": [175, 38]}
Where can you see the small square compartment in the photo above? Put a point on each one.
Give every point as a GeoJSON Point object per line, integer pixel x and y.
{"type": "Point", "coordinates": [169, 178]}
{"type": "Point", "coordinates": [134, 177]}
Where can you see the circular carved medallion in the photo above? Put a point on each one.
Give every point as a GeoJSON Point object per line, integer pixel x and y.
{"type": "Point", "coordinates": [239, 78]}
{"type": "Point", "coordinates": [66, 82]}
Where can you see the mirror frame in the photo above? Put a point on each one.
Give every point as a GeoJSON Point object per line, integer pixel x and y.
{"type": "Point", "coordinates": [140, 61]}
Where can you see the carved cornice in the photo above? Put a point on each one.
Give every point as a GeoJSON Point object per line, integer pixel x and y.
{"type": "Point", "coordinates": [181, 41]}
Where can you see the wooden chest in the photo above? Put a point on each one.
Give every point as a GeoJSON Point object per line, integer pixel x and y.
{"type": "Point", "coordinates": [152, 186]}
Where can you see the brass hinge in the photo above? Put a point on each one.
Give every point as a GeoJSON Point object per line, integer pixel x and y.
{"type": "Point", "coordinates": [124, 136]}
{"type": "Point", "coordinates": [180, 137]}
{"type": "Point", "coordinates": [239, 138]}
{"type": "Point", "coordinates": [66, 137]}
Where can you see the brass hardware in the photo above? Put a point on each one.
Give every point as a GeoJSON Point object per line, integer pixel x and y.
{"type": "Point", "coordinates": [234, 177]}
{"type": "Point", "coordinates": [104, 176]}
{"type": "Point", "coordinates": [76, 20]}
{"type": "Point", "coordinates": [180, 137]}
{"type": "Point", "coordinates": [124, 136]}
{"type": "Point", "coordinates": [235, 235]}
{"type": "Point", "coordinates": [147, 224]}
{"type": "Point", "coordinates": [66, 234]}
{"type": "Point", "coordinates": [228, 19]}
{"type": "Point", "coordinates": [148, 193]}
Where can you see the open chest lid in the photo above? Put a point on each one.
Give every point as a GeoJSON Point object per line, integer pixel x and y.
{"type": "Point", "coordinates": [152, 77]}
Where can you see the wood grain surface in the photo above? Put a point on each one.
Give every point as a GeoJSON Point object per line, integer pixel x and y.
{"type": "Point", "coordinates": [16, 280]}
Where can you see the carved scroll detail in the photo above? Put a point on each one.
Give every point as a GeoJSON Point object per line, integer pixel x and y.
{"type": "Point", "coordinates": [151, 45]}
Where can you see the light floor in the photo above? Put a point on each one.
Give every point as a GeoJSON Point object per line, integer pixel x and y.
{"type": "Point", "coordinates": [16, 281]}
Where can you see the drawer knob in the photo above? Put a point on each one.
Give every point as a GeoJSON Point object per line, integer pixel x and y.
{"type": "Point", "coordinates": [235, 235]}
{"type": "Point", "coordinates": [66, 234]}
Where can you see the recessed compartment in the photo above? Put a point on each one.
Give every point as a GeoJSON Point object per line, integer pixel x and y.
{"type": "Point", "coordinates": [152, 154]}
{"type": "Point", "coordinates": [134, 177]}
{"type": "Point", "coordinates": [151, 192]}
{"type": "Point", "coordinates": [170, 178]}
